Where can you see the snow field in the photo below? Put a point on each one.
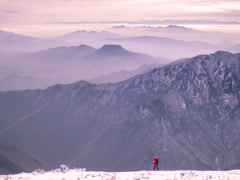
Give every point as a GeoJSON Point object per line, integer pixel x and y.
{"type": "Point", "coordinates": [81, 174]}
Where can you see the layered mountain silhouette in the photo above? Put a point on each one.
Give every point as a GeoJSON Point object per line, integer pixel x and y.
{"type": "Point", "coordinates": [9, 36]}
{"type": "Point", "coordinates": [16, 42]}
{"type": "Point", "coordinates": [72, 63]}
{"type": "Point", "coordinates": [187, 113]}
{"type": "Point", "coordinates": [18, 82]}
{"type": "Point", "coordinates": [14, 160]}
{"type": "Point", "coordinates": [19, 43]}
{"type": "Point", "coordinates": [234, 49]}
{"type": "Point", "coordinates": [177, 32]}
{"type": "Point", "coordinates": [78, 56]}
{"type": "Point", "coordinates": [84, 36]}
{"type": "Point", "coordinates": [171, 42]}
{"type": "Point", "coordinates": [123, 75]}
{"type": "Point", "coordinates": [161, 46]}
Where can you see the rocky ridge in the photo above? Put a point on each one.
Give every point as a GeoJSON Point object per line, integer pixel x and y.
{"type": "Point", "coordinates": [187, 113]}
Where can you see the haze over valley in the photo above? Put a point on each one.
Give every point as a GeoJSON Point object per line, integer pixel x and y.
{"type": "Point", "coordinates": [30, 63]}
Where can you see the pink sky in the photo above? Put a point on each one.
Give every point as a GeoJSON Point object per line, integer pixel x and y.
{"type": "Point", "coordinates": [36, 11]}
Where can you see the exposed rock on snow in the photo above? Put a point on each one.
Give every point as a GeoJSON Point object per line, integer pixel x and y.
{"type": "Point", "coordinates": [81, 174]}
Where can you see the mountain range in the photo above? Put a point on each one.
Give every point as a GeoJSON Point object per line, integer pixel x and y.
{"type": "Point", "coordinates": [123, 75]}
{"type": "Point", "coordinates": [14, 160]}
{"type": "Point", "coordinates": [171, 42]}
{"type": "Point", "coordinates": [186, 112]}
{"type": "Point", "coordinates": [67, 65]}
{"type": "Point", "coordinates": [164, 47]}
{"type": "Point", "coordinates": [82, 37]}
{"type": "Point", "coordinates": [18, 82]}
{"type": "Point", "coordinates": [234, 49]}
{"type": "Point", "coordinates": [12, 42]}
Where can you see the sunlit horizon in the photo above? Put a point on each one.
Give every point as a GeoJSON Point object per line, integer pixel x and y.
{"type": "Point", "coordinates": [47, 30]}
{"type": "Point", "coordinates": [43, 19]}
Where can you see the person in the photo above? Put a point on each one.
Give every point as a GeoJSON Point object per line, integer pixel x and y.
{"type": "Point", "coordinates": [155, 163]}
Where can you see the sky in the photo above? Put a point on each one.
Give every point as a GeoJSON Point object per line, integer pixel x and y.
{"type": "Point", "coordinates": [151, 175]}
{"type": "Point", "coordinates": [34, 17]}
{"type": "Point", "coordinates": [35, 11]}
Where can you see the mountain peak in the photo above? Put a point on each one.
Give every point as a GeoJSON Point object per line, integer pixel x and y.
{"type": "Point", "coordinates": [111, 47]}
{"type": "Point", "coordinates": [84, 47]}
{"type": "Point", "coordinates": [111, 50]}
{"type": "Point", "coordinates": [222, 53]}
{"type": "Point", "coordinates": [174, 26]}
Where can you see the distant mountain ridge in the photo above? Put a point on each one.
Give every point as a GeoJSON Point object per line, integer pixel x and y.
{"type": "Point", "coordinates": [9, 36]}
{"type": "Point", "coordinates": [161, 46]}
{"type": "Point", "coordinates": [76, 55]}
{"type": "Point", "coordinates": [14, 160]}
{"type": "Point", "coordinates": [71, 63]}
{"type": "Point", "coordinates": [174, 49]}
{"type": "Point", "coordinates": [166, 22]}
{"type": "Point", "coordinates": [84, 36]}
{"type": "Point", "coordinates": [187, 113]}
{"type": "Point", "coordinates": [113, 49]}
{"type": "Point", "coordinates": [122, 75]}
{"type": "Point", "coordinates": [234, 49]}
{"type": "Point", "coordinates": [15, 42]}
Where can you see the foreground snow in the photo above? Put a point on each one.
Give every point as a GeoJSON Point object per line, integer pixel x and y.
{"type": "Point", "coordinates": [81, 174]}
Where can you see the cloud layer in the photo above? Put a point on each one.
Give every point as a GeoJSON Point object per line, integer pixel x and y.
{"type": "Point", "coordinates": [35, 11]}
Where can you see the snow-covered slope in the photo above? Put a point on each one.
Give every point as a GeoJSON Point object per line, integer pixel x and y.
{"type": "Point", "coordinates": [81, 174]}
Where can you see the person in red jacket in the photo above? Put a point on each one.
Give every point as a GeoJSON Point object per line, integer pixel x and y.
{"type": "Point", "coordinates": [155, 163]}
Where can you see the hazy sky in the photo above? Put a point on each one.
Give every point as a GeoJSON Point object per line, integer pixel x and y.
{"type": "Point", "coordinates": [41, 11]}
